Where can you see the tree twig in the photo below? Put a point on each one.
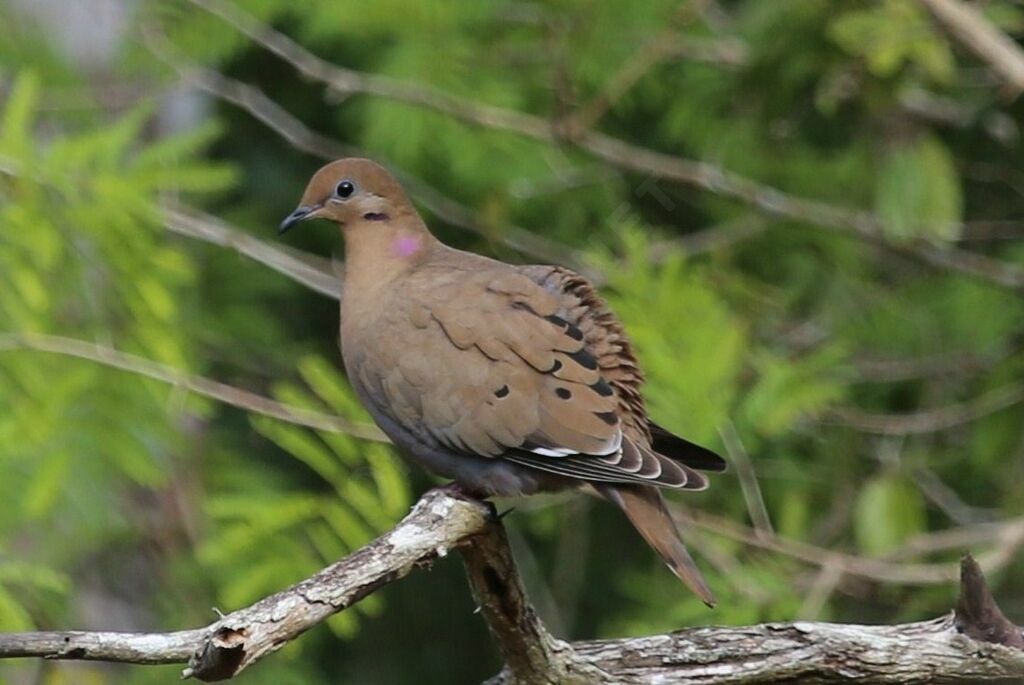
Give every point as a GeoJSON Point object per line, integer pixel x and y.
{"type": "Point", "coordinates": [748, 479]}
{"type": "Point", "coordinates": [928, 420]}
{"type": "Point", "coordinates": [922, 366]}
{"type": "Point", "coordinates": [312, 271]}
{"type": "Point", "coordinates": [709, 239]}
{"type": "Point", "coordinates": [228, 394]}
{"type": "Point", "coordinates": [1006, 537]}
{"type": "Point", "coordinates": [968, 25]}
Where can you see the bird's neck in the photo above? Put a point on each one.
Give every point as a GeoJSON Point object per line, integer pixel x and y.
{"type": "Point", "coordinates": [378, 252]}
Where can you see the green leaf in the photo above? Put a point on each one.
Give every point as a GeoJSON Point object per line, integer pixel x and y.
{"type": "Point", "coordinates": [304, 446]}
{"type": "Point", "coordinates": [35, 576]}
{"type": "Point", "coordinates": [16, 122]}
{"type": "Point", "coordinates": [917, 192]}
{"type": "Point", "coordinates": [889, 510]}
{"type": "Point", "coordinates": [13, 616]}
{"type": "Point", "coordinates": [46, 484]}
{"type": "Point", "coordinates": [391, 481]}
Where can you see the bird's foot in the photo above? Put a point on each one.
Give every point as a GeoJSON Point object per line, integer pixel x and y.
{"type": "Point", "coordinates": [502, 514]}
{"type": "Point", "coordinates": [460, 491]}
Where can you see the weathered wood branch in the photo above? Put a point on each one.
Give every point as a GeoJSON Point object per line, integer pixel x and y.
{"type": "Point", "coordinates": [532, 655]}
{"type": "Point", "coordinates": [974, 644]}
{"type": "Point", "coordinates": [924, 653]}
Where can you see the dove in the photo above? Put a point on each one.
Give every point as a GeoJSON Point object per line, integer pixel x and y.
{"type": "Point", "coordinates": [508, 380]}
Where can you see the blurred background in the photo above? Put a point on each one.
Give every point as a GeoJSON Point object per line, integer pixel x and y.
{"type": "Point", "coordinates": [809, 214]}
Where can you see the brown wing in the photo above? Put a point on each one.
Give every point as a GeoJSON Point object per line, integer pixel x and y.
{"type": "Point", "coordinates": [523, 379]}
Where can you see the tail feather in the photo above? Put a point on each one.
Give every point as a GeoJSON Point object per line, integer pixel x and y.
{"type": "Point", "coordinates": [670, 445]}
{"type": "Point", "coordinates": [645, 509]}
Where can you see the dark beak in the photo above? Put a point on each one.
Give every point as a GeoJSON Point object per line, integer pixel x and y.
{"type": "Point", "coordinates": [300, 213]}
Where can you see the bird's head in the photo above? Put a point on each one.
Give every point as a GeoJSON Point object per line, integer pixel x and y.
{"type": "Point", "coordinates": [350, 191]}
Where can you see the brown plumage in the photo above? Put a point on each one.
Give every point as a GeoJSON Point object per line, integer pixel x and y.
{"type": "Point", "coordinates": [508, 379]}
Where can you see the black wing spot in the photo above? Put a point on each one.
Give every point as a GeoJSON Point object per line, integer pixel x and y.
{"type": "Point", "coordinates": [564, 393]}
{"type": "Point", "coordinates": [570, 330]}
{"type": "Point", "coordinates": [603, 388]}
{"type": "Point", "coordinates": [557, 320]}
{"type": "Point", "coordinates": [609, 417]}
{"type": "Point", "coordinates": [556, 367]}
{"type": "Point", "coordinates": [584, 359]}
{"type": "Point", "coordinates": [501, 392]}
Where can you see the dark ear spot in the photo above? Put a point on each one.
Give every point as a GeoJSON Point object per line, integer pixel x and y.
{"type": "Point", "coordinates": [376, 216]}
{"type": "Point", "coordinates": [501, 392]}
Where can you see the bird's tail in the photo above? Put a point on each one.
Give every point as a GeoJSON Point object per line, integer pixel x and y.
{"type": "Point", "coordinates": [645, 509]}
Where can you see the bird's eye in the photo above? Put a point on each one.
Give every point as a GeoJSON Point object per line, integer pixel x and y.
{"type": "Point", "coordinates": [345, 190]}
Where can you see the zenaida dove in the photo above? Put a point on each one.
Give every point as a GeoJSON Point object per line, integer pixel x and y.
{"type": "Point", "coordinates": [510, 380]}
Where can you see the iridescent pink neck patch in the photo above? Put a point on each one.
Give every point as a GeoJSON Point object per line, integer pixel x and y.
{"type": "Point", "coordinates": [406, 245]}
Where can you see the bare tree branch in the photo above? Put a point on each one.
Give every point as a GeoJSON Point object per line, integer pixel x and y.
{"type": "Point", "coordinates": [228, 394]}
{"type": "Point", "coordinates": [946, 498]}
{"type": "Point", "coordinates": [977, 644]}
{"type": "Point", "coordinates": [922, 366]}
{"type": "Point", "coordinates": [928, 420]}
{"type": "Point", "coordinates": [709, 239]}
{"type": "Point", "coordinates": [859, 224]}
{"type": "Point", "coordinates": [748, 479]}
{"type": "Point", "coordinates": [723, 52]}
{"type": "Point", "coordinates": [968, 25]}
{"type": "Point", "coordinates": [1005, 538]}
{"type": "Point", "coordinates": [312, 271]}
